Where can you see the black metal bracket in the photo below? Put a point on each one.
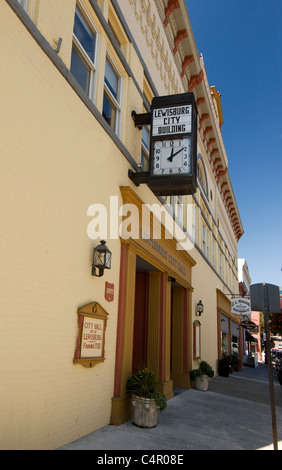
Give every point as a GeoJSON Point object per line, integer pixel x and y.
{"type": "Point", "coordinates": [141, 120]}
{"type": "Point", "coordinates": [138, 178]}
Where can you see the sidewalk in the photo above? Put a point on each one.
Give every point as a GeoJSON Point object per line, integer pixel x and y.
{"type": "Point", "coordinates": [235, 414]}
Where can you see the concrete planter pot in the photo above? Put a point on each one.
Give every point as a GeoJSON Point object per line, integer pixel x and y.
{"type": "Point", "coordinates": [223, 368]}
{"type": "Point", "coordinates": [202, 383]}
{"type": "Point", "coordinates": [145, 412]}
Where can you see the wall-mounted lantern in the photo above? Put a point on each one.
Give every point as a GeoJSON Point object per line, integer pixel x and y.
{"type": "Point", "coordinates": [102, 258]}
{"type": "Point", "coordinates": [200, 308]}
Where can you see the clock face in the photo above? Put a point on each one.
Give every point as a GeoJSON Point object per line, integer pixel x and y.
{"type": "Point", "coordinates": [172, 157]}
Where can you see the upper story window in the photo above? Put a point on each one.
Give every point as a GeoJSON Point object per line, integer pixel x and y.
{"type": "Point", "coordinates": [114, 32]}
{"type": "Point", "coordinates": [193, 222]}
{"type": "Point", "coordinates": [83, 58]}
{"type": "Point", "coordinates": [117, 29]}
{"type": "Point", "coordinates": [213, 252]}
{"type": "Point", "coordinates": [220, 265]}
{"type": "Point", "coordinates": [145, 142]}
{"type": "Point", "coordinates": [145, 148]}
{"type": "Point", "coordinates": [177, 205]}
{"type": "Point", "coordinates": [202, 176]}
{"type": "Point", "coordinates": [112, 96]}
{"type": "Point", "coordinates": [23, 3]}
{"type": "Point", "coordinates": [204, 232]}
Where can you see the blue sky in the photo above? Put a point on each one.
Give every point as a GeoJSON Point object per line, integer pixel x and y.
{"type": "Point", "coordinates": [241, 43]}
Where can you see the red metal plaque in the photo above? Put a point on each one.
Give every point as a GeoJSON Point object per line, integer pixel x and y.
{"type": "Point", "coordinates": [109, 291]}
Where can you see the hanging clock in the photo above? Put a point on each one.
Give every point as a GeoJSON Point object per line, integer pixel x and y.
{"type": "Point", "coordinates": [173, 146]}
{"type": "Point", "coordinates": [172, 156]}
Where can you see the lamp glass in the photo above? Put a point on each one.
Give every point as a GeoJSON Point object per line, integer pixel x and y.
{"type": "Point", "coordinates": [102, 256]}
{"type": "Point", "coordinates": [200, 307]}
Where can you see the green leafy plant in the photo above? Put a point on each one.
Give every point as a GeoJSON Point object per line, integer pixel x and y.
{"type": "Point", "coordinates": [233, 361]}
{"type": "Point", "coordinates": [226, 357]}
{"type": "Point", "coordinates": [143, 384]}
{"type": "Point", "coordinates": [160, 400]}
{"type": "Point", "coordinates": [204, 369]}
{"type": "Point", "coordinates": [236, 362]}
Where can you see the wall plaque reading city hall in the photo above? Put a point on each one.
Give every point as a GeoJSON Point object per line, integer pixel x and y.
{"type": "Point", "coordinates": [90, 349]}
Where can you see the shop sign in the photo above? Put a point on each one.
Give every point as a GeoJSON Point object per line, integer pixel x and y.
{"type": "Point", "coordinates": [250, 326]}
{"type": "Point", "coordinates": [241, 306]}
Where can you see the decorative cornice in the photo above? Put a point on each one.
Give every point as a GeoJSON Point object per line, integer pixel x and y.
{"type": "Point", "coordinates": [195, 80]}
{"type": "Point", "coordinates": [213, 152]}
{"type": "Point", "coordinates": [222, 173]}
{"type": "Point", "coordinates": [200, 101]}
{"type": "Point", "coordinates": [211, 141]}
{"type": "Point", "coordinates": [203, 118]}
{"type": "Point", "coordinates": [187, 60]}
{"type": "Point", "coordinates": [155, 38]}
{"type": "Point", "coordinates": [176, 27]}
{"type": "Point", "coordinates": [172, 5]}
{"type": "Point", "coordinates": [207, 130]}
{"type": "Point", "coordinates": [178, 38]}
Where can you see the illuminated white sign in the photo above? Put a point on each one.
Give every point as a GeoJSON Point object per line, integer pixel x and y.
{"type": "Point", "coordinates": [172, 120]}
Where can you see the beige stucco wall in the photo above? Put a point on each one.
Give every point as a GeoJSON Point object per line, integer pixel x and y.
{"type": "Point", "coordinates": [56, 161]}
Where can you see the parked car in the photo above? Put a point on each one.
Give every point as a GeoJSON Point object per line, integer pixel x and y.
{"type": "Point", "coordinates": [235, 349]}
{"type": "Point", "coordinates": [279, 373]}
{"type": "Point", "coordinates": [278, 358]}
{"type": "Point", "coordinates": [273, 354]}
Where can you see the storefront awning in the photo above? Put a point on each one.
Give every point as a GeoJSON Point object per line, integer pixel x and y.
{"type": "Point", "coordinates": [250, 338]}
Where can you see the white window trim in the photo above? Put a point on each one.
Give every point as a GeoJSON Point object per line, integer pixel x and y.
{"type": "Point", "coordinates": [194, 223]}
{"type": "Point", "coordinates": [92, 65]}
{"type": "Point", "coordinates": [23, 3]}
{"type": "Point", "coordinates": [115, 103]}
{"type": "Point", "coordinates": [204, 238]}
{"type": "Point", "coordinates": [220, 265]}
{"type": "Point", "coordinates": [144, 148]}
{"type": "Point", "coordinates": [176, 203]}
{"type": "Point", "coordinates": [213, 253]}
{"type": "Point", "coordinates": [180, 208]}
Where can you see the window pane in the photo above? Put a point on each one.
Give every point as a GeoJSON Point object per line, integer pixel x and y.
{"type": "Point", "coordinates": [80, 70]}
{"type": "Point", "coordinates": [109, 112]}
{"type": "Point", "coordinates": [111, 79]}
{"type": "Point", "coordinates": [144, 161]}
{"type": "Point", "coordinates": [145, 137]}
{"type": "Point", "coordinates": [85, 35]}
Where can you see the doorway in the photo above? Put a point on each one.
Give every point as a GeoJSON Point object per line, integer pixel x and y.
{"type": "Point", "coordinates": [143, 292]}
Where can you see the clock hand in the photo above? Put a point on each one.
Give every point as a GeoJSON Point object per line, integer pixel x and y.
{"type": "Point", "coordinates": [173, 154]}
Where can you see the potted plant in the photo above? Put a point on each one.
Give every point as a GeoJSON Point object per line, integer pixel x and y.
{"type": "Point", "coordinates": [224, 365]}
{"type": "Point", "coordinates": [146, 400]}
{"type": "Point", "coordinates": [236, 363]}
{"type": "Point", "coordinates": [202, 376]}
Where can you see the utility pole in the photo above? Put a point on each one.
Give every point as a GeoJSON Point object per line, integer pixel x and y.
{"type": "Point", "coordinates": [269, 364]}
{"type": "Point", "coordinates": [266, 298]}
